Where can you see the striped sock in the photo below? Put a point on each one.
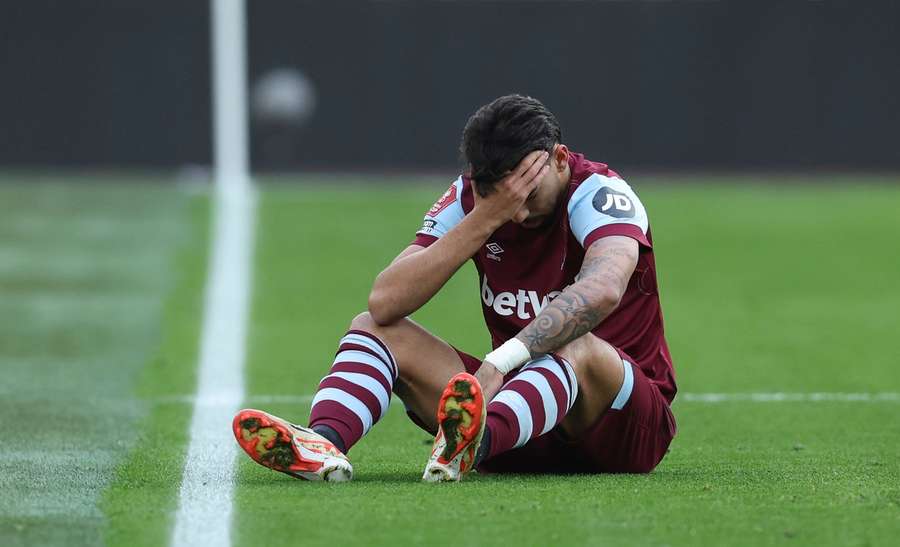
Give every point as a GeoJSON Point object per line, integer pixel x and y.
{"type": "Point", "coordinates": [357, 390]}
{"type": "Point", "coordinates": [531, 404]}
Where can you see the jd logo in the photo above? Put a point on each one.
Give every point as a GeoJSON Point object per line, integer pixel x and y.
{"type": "Point", "coordinates": [612, 203]}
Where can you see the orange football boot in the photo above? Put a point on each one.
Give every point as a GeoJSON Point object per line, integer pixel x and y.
{"type": "Point", "coordinates": [289, 448]}
{"type": "Point", "coordinates": [461, 418]}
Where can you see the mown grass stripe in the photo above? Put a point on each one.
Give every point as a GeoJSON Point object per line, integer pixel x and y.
{"type": "Point", "coordinates": [80, 309]}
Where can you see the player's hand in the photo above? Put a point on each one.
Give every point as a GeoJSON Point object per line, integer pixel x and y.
{"type": "Point", "coordinates": [511, 192]}
{"type": "Point", "coordinates": [491, 380]}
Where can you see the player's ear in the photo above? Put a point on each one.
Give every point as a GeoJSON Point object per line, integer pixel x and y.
{"type": "Point", "coordinates": [561, 155]}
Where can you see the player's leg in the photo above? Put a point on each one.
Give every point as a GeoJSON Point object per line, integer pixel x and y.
{"type": "Point", "coordinates": [633, 438]}
{"type": "Point", "coordinates": [532, 402]}
{"type": "Point", "coordinates": [602, 380]}
{"type": "Point", "coordinates": [619, 422]}
{"type": "Point", "coordinates": [629, 433]}
{"type": "Point", "coordinates": [569, 389]}
{"type": "Point", "coordinates": [372, 361]}
{"type": "Point", "coordinates": [410, 362]}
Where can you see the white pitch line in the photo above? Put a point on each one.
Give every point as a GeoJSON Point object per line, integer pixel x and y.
{"type": "Point", "coordinates": [205, 500]}
{"type": "Point", "coordinates": [701, 398]}
{"type": "Point", "coordinates": [779, 397]}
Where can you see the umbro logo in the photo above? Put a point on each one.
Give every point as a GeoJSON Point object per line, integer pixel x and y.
{"type": "Point", "coordinates": [494, 251]}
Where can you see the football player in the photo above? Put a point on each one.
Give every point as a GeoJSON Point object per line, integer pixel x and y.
{"type": "Point", "coordinates": [580, 378]}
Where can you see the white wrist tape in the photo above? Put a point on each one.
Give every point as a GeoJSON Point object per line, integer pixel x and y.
{"type": "Point", "coordinates": [512, 354]}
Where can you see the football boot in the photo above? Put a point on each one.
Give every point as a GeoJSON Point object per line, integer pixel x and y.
{"type": "Point", "coordinates": [461, 421]}
{"type": "Point", "coordinates": [289, 448]}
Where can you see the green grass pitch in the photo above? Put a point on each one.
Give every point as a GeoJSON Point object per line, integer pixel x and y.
{"type": "Point", "coordinates": [768, 286]}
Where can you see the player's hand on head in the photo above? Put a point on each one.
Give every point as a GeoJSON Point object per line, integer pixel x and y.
{"type": "Point", "coordinates": [510, 193]}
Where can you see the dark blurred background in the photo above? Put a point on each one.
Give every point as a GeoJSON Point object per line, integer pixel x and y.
{"type": "Point", "coordinates": [389, 85]}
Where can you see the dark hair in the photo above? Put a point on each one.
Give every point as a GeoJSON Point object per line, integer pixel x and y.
{"type": "Point", "coordinates": [501, 133]}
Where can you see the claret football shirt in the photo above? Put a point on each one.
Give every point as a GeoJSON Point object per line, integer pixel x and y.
{"type": "Point", "coordinates": [521, 270]}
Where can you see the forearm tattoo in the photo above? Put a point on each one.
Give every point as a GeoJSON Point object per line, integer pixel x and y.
{"type": "Point", "coordinates": [567, 317]}
{"type": "Point", "coordinates": [577, 310]}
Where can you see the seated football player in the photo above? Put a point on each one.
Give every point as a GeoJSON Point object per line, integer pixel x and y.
{"type": "Point", "coordinates": [580, 379]}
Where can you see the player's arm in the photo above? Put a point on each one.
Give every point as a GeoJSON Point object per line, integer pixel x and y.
{"type": "Point", "coordinates": [418, 273]}
{"type": "Point", "coordinates": [597, 291]}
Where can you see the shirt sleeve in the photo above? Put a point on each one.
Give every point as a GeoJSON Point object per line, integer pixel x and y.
{"type": "Point", "coordinates": [446, 213]}
{"type": "Point", "coordinates": [604, 206]}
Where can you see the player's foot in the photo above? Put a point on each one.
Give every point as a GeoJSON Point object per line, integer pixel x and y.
{"type": "Point", "coordinates": [289, 448]}
{"type": "Point", "coordinates": [461, 417]}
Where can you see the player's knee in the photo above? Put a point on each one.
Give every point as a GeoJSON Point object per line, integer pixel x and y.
{"type": "Point", "coordinates": [571, 352]}
{"type": "Point", "coordinates": [597, 364]}
{"type": "Point", "coordinates": [364, 321]}
{"type": "Point", "coordinates": [586, 349]}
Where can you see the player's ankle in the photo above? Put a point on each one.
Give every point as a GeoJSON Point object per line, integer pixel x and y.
{"type": "Point", "coordinates": [332, 436]}
{"type": "Point", "coordinates": [484, 448]}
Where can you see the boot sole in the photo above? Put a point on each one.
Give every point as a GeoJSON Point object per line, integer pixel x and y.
{"type": "Point", "coordinates": [461, 414]}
